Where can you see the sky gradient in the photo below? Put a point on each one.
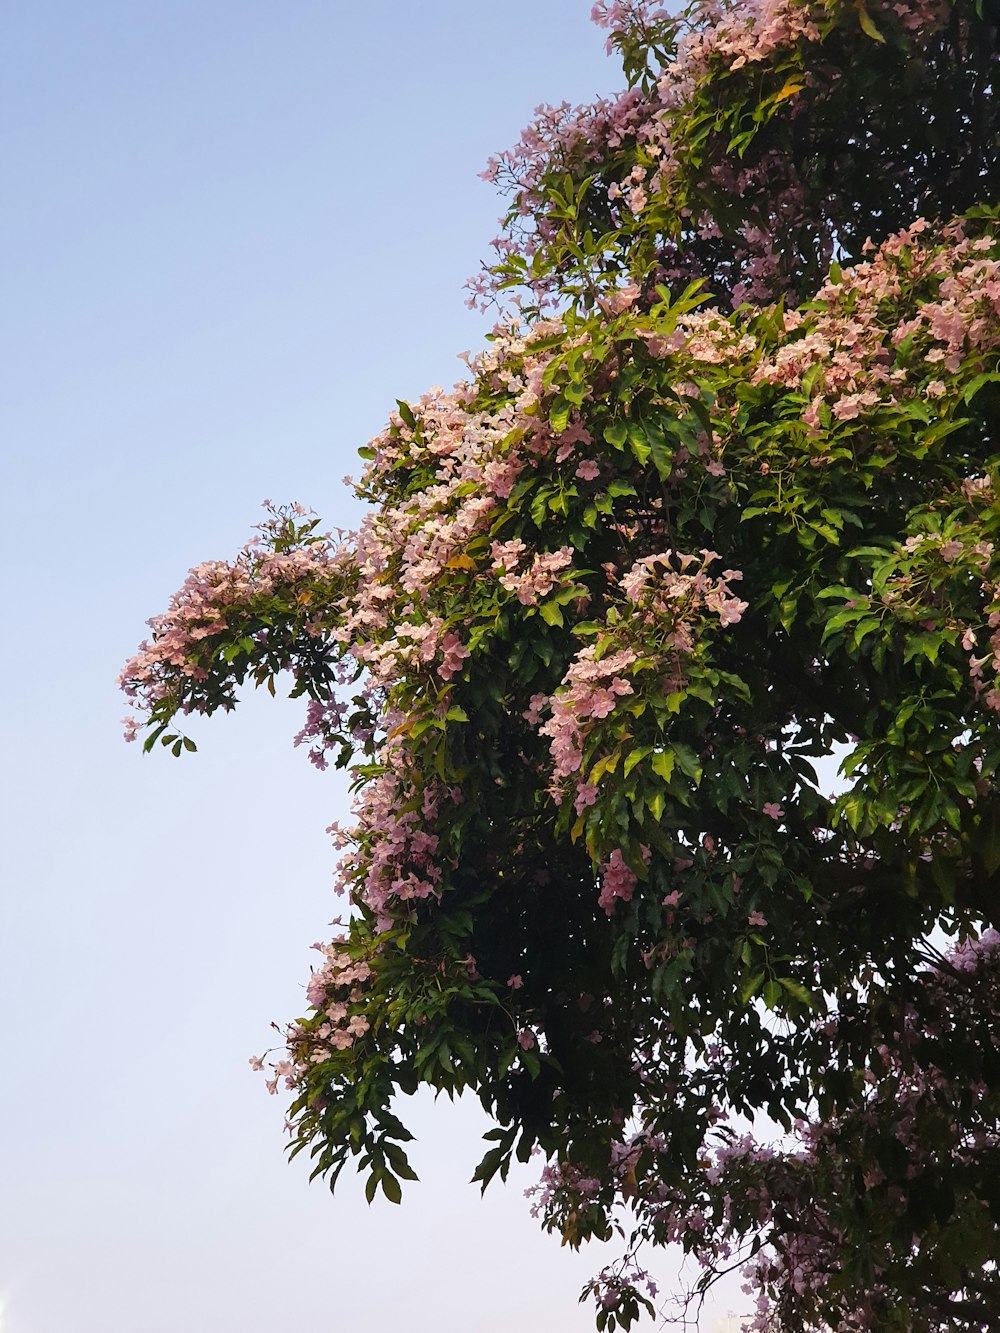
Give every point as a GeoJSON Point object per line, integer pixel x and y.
{"type": "Point", "coordinates": [235, 233]}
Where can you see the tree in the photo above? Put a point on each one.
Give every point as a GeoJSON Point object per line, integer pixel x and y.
{"type": "Point", "coordinates": [718, 500]}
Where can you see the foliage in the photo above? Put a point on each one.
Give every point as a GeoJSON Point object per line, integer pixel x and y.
{"type": "Point", "coordinates": [720, 501]}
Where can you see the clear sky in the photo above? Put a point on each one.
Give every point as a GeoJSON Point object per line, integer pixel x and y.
{"type": "Point", "coordinates": [234, 232]}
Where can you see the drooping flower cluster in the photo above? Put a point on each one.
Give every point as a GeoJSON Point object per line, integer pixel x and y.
{"type": "Point", "coordinates": [666, 600]}
{"type": "Point", "coordinates": [590, 692]}
{"type": "Point", "coordinates": [285, 561]}
{"type": "Point", "coordinates": [336, 991]}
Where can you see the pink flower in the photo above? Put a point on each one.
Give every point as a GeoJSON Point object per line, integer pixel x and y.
{"type": "Point", "coordinates": [533, 713]}
{"type": "Point", "coordinates": [601, 703]}
{"type": "Point", "coordinates": [755, 919]}
{"type": "Point", "coordinates": [515, 982]}
{"type": "Point", "coordinates": [636, 199]}
{"type": "Point", "coordinates": [454, 654]}
{"type": "Point", "coordinates": [586, 794]}
{"type": "Point", "coordinates": [316, 989]}
{"type": "Point", "coordinates": [847, 408]}
{"type": "Point", "coordinates": [773, 810]}
{"type": "Point", "coordinates": [624, 297]}
{"type": "Point", "coordinates": [588, 470]}
{"type": "Point", "coordinates": [525, 1039]}
{"type": "Point", "coordinates": [617, 881]}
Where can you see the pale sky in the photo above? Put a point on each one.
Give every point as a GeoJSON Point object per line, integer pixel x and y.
{"type": "Point", "coordinates": [233, 233]}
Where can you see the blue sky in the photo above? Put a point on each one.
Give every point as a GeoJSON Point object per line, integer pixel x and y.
{"type": "Point", "coordinates": [234, 234]}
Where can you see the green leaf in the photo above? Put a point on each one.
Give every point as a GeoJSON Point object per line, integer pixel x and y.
{"type": "Point", "coordinates": [925, 643]}
{"type": "Point", "coordinates": [974, 385]}
{"type": "Point", "coordinates": [865, 19]}
{"type": "Point", "coordinates": [559, 414]}
{"type": "Point", "coordinates": [391, 1188]}
{"type": "Point", "coordinates": [772, 993]}
{"type": "Point", "coordinates": [635, 756]}
{"type": "Point", "coordinates": [492, 1162]}
{"type": "Point", "coordinates": [406, 412]}
{"type": "Point", "coordinates": [797, 991]}
{"type": "Point", "coordinates": [399, 1162]}
{"type": "Point", "coordinates": [688, 761]}
{"type": "Point", "coordinates": [750, 987]}
{"type": "Point", "coordinates": [639, 444]}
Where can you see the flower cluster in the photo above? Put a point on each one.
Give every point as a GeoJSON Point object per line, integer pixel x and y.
{"type": "Point", "coordinates": [632, 154]}
{"type": "Point", "coordinates": [857, 353]}
{"type": "Point", "coordinates": [590, 691]}
{"type": "Point", "coordinates": [336, 991]}
{"type": "Point", "coordinates": [286, 562]}
{"type": "Point", "coordinates": [541, 576]}
{"type": "Point", "coordinates": [663, 590]}
{"type": "Point", "coordinates": [667, 601]}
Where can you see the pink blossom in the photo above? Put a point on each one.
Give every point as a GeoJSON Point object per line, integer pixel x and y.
{"type": "Point", "coordinates": [773, 810]}
{"type": "Point", "coordinates": [586, 794]}
{"type": "Point", "coordinates": [316, 989]}
{"type": "Point", "coordinates": [617, 882]}
{"type": "Point", "coordinates": [453, 655]}
{"type": "Point", "coordinates": [624, 297]}
{"type": "Point", "coordinates": [533, 713]}
{"type": "Point", "coordinates": [637, 199]}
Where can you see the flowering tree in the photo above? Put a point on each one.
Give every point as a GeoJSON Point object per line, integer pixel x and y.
{"type": "Point", "coordinates": [718, 500]}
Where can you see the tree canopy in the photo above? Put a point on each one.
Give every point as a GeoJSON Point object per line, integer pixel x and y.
{"type": "Point", "coordinates": [717, 501]}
